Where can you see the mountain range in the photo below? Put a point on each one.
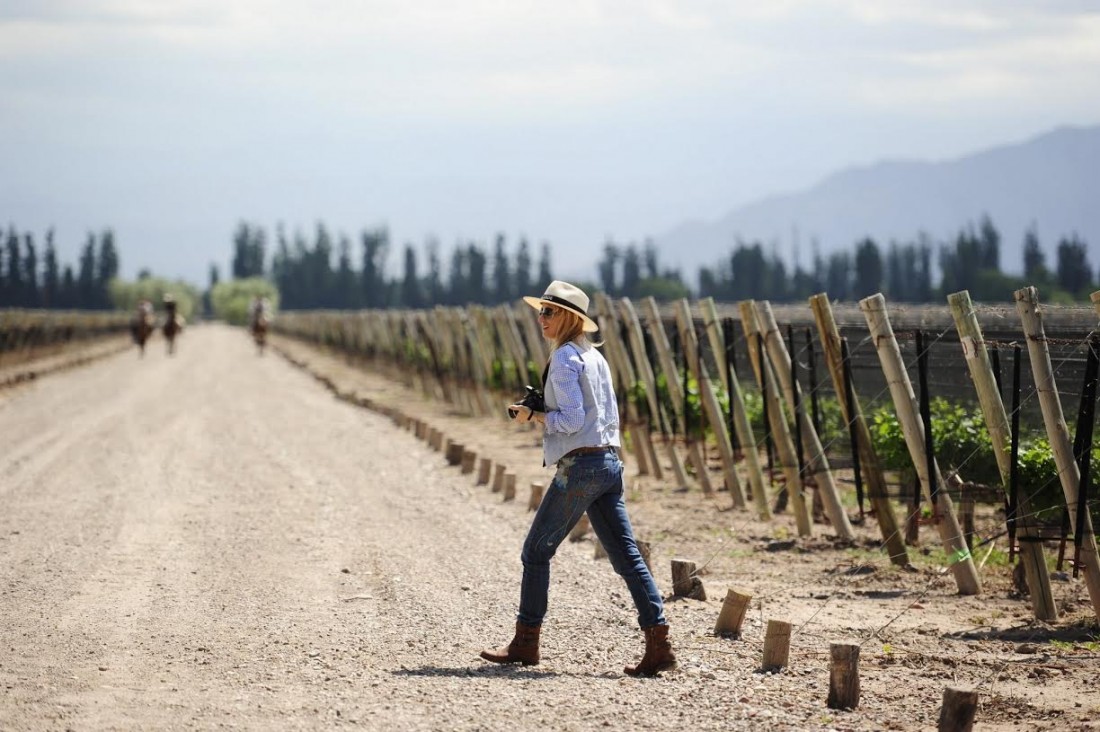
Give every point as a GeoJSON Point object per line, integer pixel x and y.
{"type": "Point", "coordinates": [1050, 182]}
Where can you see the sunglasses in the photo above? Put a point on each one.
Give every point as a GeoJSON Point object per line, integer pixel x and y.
{"type": "Point", "coordinates": [547, 312]}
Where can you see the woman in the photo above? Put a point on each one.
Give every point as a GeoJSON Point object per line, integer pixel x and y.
{"type": "Point", "coordinates": [581, 434]}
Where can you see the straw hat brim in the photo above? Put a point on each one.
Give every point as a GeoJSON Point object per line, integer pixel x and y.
{"type": "Point", "coordinates": [537, 303]}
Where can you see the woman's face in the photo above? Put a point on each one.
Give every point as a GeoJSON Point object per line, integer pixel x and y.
{"type": "Point", "coordinates": [551, 320]}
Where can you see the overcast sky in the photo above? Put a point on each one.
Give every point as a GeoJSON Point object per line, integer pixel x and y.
{"type": "Point", "coordinates": [171, 120]}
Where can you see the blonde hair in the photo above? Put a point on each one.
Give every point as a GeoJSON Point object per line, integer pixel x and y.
{"type": "Point", "coordinates": [572, 330]}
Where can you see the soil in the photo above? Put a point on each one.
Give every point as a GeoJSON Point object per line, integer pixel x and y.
{"type": "Point", "coordinates": [214, 539]}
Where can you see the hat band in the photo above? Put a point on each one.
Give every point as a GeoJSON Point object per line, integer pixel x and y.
{"type": "Point", "coordinates": [564, 303]}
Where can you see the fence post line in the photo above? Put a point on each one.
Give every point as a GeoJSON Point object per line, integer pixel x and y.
{"type": "Point", "coordinates": [849, 408]}
{"type": "Point", "coordinates": [1086, 419]}
{"type": "Point", "coordinates": [901, 391]}
{"type": "Point", "coordinates": [996, 421]}
{"type": "Point", "coordinates": [818, 465]}
{"type": "Point", "coordinates": [645, 374]}
{"type": "Point", "coordinates": [672, 381]}
{"type": "Point", "coordinates": [811, 362]}
{"type": "Point", "coordinates": [779, 423]}
{"type": "Point", "coordinates": [1027, 305]}
{"type": "Point", "coordinates": [620, 364]}
{"type": "Point", "coordinates": [742, 426]}
{"type": "Point", "coordinates": [709, 402]}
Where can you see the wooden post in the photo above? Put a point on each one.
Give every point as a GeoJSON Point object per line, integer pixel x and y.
{"type": "Point", "coordinates": [818, 465]}
{"type": "Point", "coordinates": [580, 529]}
{"type": "Point", "coordinates": [1096, 301]}
{"type": "Point", "coordinates": [905, 404]}
{"type": "Point", "coordinates": [672, 381]}
{"type": "Point", "coordinates": [870, 465]}
{"type": "Point", "coordinates": [536, 497]}
{"type": "Point", "coordinates": [777, 646]}
{"type": "Point", "coordinates": [484, 467]}
{"type": "Point", "coordinates": [454, 453]}
{"type": "Point", "coordinates": [782, 435]}
{"type": "Point", "coordinates": [843, 676]}
{"type": "Point", "coordinates": [960, 706]}
{"type": "Point", "coordinates": [469, 457]}
{"type": "Point", "coordinates": [509, 486]}
{"type": "Point", "coordinates": [742, 426]}
{"type": "Point", "coordinates": [684, 581]}
{"type": "Point", "coordinates": [996, 420]}
{"type": "Point", "coordinates": [697, 457]}
{"type": "Point", "coordinates": [498, 478]}
{"type": "Point", "coordinates": [623, 370]}
{"type": "Point", "coordinates": [644, 370]}
{"type": "Point", "coordinates": [645, 549]}
{"type": "Point", "coordinates": [713, 411]}
{"type": "Point", "coordinates": [1027, 305]}
{"type": "Point", "coordinates": [732, 614]}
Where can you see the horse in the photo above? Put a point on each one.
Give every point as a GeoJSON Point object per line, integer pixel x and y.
{"type": "Point", "coordinates": [259, 331]}
{"type": "Point", "coordinates": [142, 326]}
{"type": "Point", "coordinates": [173, 325]}
{"type": "Point", "coordinates": [259, 322]}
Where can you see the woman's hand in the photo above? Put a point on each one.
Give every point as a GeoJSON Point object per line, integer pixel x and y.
{"type": "Point", "coordinates": [526, 414]}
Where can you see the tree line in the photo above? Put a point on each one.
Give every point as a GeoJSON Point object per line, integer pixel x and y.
{"type": "Point", "coordinates": [32, 280]}
{"type": "Point", "coordinates": [328, 271]}
{"type": "Point", "coordinates": [323, 272]}
{"type": "Point", "coordinates": [918, 271]}
{"type": "Point", "coordinates": [904, 271]}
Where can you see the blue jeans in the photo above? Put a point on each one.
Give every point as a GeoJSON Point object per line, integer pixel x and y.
{"type": "Point", "coordinates": [592, 483]}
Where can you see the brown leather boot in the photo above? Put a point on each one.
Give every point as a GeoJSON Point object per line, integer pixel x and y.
{"type": "Point", "coordinates": [658, 653]}
{"type": "Point", "coordinates": [524, 647]}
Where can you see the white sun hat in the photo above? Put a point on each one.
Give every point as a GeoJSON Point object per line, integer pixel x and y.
{"type": "Point", "coordinates": [567, 296]}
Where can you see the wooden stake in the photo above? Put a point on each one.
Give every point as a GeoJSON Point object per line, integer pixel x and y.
{"type": "Point", "coordinates": [1027, 305]}
{"type": "Point", "coordinates": [996, 420]}
{"type": "Point", "coordinates": [684, 581]}
{"type": "Point", "coordinates": [672, 380]}
{"type": "Point", "coordinates": [818, 465]}
{"type": "Point", "coordinates": [777, 645]}
{"type": "Point", "coordinates": [905, 404]}
{"type": "Point", "coordinates": [623, 369]}
{"type": "Point", "coordinates": [454, 453]}
{"type": "Point", "coordinates": [697, 459]}
{"type": "Point", "coordinates": [484, 468]}
{"type": "Point", "coordinates": [741, 423]}
{"type": "Point", "coordinates": [869, 462]}
{"type": "Point", "coordinates": [715, 418]}
{"type": "Point", "coordinates": [509, 486]}
{"type": "Point", "coordinates": [644, 370]}
{"type": "Point", "coordinates": [960, 706]}
{"type": "Point", "coordinates": [469, 457]}
{"type": "Point", "coordinates": [580, 530]}
{"type": "Point", "coordinates": [498, 478]}
{"type": "Point", "coordinates": [644, 549]}
{"type": "Point", "coordinates": [600, 552]}
{"type": "Point", "coordinates": [843, 676]}
{"type": "Point", "coordinates": [732, 614]}
{"type": "Point", "coordinates": [780, 432]}
{"type": "Point", "coordinates": [536, 497]}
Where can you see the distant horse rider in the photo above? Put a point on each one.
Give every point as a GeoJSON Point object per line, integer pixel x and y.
{"type": "Point", "coordinates": [173, 322]}
{"type": "Point", "coordinates": [259, 309]}
{"type": "Point", "coordinates": [141, 327]}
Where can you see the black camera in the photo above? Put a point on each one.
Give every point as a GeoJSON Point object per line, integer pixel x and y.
{"type": "Point", "coordinates": [533, 400]}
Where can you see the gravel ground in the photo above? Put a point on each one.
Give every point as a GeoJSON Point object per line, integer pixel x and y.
{"type": "Point", "coordinates": [213, 540]}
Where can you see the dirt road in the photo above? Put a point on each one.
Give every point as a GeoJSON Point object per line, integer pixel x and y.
{"type": "Point", "coordinates": [212, 540]}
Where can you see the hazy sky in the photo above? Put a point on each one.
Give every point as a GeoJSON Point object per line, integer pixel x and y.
{"type": "Point", "coordinates": [172, 120]}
